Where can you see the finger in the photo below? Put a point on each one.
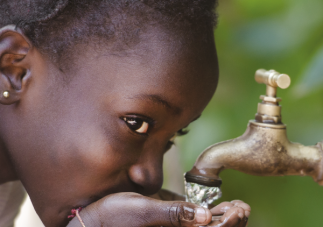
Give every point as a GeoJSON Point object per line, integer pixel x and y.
{"type": "Point", "coordinates": [234, 217]}
{"type": "Point", "coordinates": [221, 208]}
{"type": "Point", "coordinates": [244, 222]}
{"type": "Point", "coordinates": [178, 214]}
{"type": "Point", "coordinates": [243, 205]}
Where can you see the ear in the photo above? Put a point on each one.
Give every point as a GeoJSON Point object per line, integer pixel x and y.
{"type": "Point", "coordinates": [14, 47]}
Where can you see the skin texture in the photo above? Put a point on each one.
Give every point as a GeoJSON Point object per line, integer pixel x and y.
{"type": "Point", "coordinates": [64, 134]}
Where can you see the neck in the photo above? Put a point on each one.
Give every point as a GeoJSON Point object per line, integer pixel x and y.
{"type": "Point", "coordinates": [7, 172]}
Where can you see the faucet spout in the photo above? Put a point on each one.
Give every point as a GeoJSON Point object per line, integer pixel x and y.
{"type": "Point", "coordinates": [263, 150]}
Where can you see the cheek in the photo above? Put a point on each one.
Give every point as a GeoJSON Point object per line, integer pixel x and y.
{"type": "Point", "coordinates": [104, 153]}
{"type": "Point", "coordinates": [98, 149]}
{"type": "Point", "coordinates": [90, 162]}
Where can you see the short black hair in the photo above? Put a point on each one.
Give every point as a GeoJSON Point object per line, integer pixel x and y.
{"type": "Point", "coordinates": [54, 26]}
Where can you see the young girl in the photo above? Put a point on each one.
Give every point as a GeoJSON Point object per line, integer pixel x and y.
{"type": "Point", "coordinates": [92, 93]}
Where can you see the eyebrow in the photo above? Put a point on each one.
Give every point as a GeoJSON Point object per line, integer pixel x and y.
{"type": "Point", "coordinates": [158, 100]}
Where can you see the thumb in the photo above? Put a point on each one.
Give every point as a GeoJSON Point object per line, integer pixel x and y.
{"type": "Point", "coordinates": [176, 213]}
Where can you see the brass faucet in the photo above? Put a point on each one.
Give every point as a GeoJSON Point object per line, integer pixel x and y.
{"type": "Point", "coordinates": [264, 148]}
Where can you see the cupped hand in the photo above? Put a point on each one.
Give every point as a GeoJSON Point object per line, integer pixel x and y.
{"type": "Point", "coordinates": [234, 214]}
{"type": "Point", "coordinates": [135, 210]}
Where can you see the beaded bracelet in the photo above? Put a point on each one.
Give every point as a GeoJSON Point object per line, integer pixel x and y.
{"type": "Point", "coordinates": [76, 212]}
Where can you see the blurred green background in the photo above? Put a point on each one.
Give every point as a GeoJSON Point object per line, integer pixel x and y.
{"type": "Point", "coordinates": [285, 35]}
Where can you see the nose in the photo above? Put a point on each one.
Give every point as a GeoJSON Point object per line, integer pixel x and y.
{"type": "Point", "coordinates": [147, 174]}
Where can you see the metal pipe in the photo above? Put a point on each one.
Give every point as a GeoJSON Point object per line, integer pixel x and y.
{"type": "Point", "coordinates": [264, 148]}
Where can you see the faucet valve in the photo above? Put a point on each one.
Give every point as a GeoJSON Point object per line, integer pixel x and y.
{"type": "Point", "coordinates": [272, 78]}
{"type": "Point", "coordinates": [269, 110]}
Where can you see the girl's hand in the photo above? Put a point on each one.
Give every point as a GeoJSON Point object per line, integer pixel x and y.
{"type": "Point", "coordinates": [234, 214]}
{"type": "Point", "coordinates": [135, 210]}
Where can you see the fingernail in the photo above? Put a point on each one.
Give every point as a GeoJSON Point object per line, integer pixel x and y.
{"type": "Point", "coordinates": [200, 215]}
{"type": "Point", "coordinates": [240, 215]}
{"type": "Point", "coordinates": [225, 209]}
{"type": "Point", "coordinates": [247, 213]}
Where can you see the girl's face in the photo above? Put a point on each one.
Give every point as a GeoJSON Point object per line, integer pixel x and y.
{"type": "Point", "coordinates": [105, 126]}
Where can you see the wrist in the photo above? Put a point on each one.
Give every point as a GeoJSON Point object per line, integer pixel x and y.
{"type": "Point", "coordinates": [88, 218]}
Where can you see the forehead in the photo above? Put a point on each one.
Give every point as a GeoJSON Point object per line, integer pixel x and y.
{"type": "Point", "coordinates": [182, 70]}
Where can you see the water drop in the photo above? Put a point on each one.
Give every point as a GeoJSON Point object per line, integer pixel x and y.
{"type": "Point", "coordinates": [201, 195]}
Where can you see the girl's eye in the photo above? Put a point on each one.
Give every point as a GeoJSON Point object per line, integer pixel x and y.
{"type": "Point", "coordinates": [180, 132]}
{"type": "Point", "coordinates": [137, 124]}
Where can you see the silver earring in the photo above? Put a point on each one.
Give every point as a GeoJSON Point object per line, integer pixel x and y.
{"type": "Point", "coordinates": [6, 94]}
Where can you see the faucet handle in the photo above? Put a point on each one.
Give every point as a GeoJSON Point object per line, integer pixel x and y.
{"type": "Point", "coordinates": [272, 78]}
{"type": "Point", "coordinates": [269, 110]}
